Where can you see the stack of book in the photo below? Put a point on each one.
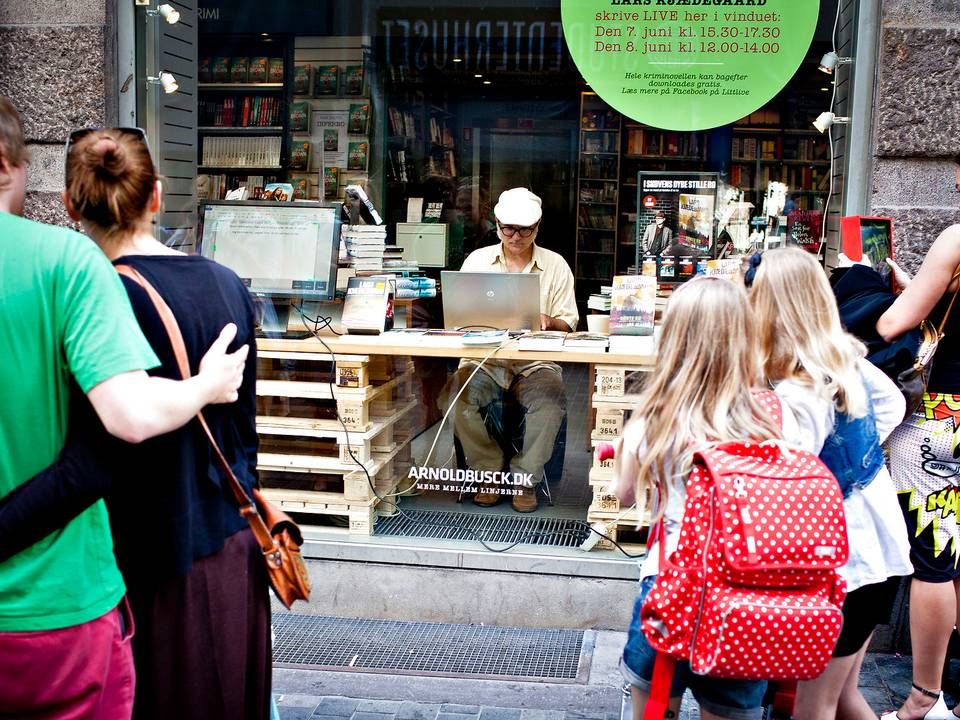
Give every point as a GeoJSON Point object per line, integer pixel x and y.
{"type": "Point", "coordinates": [416, 287]}
{"type": "Point", "coordinates": [600, 301]}
{"type": "Point", "coordinates": [542, 340]}
{"type": "Point", "coordinates": [585, 342]}
{"type": "Point", "coordinates": [362, 247]}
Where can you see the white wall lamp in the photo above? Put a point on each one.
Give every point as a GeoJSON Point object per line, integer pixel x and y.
{"type": "Point", "coordinates": [826, 119]}
{"type": "Point", "coordinates": [168, 82]}
{"type": "Point", "coordinates": [167, 12]}
{"type": "Point", "coordinates": [830, 60]}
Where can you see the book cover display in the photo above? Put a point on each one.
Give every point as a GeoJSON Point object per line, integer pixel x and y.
{"type": "Point", "coordinates": [633, 305]}
{"type": "Point", "coordinates": [325, 79]}
{"type": "Point", "coordinates": [259, 69]}
{"type": "Point", "coordinates": [359, 116]}
{"type": "Point", "coordinates": [368, 305]}
{"type": "Point", "coordinates": [220, 72]}
{"type": "Point", "coordinates": [301, 79]}
{"type": "Point", "coordinates": [275, 70]}
{"type": "Point", "coordinates": [299, 154]}
{"type": "Point", "coordinates": [357, 156]}
{"type": "Point", "coordinates": [331, 177]}
{"type": "Point", "coordinates": [299, 116]}
{"type": "Point", "coordinates": [353, 80]}
{"type": "Point", "coordinates": [279, 192]}
{"type": "Point", "coordinates": [239, 69]}
{"type": "Point", "coordinates": [301, 187]}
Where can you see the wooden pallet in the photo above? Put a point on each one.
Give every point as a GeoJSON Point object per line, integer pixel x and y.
{"type": "Point", "coordinates": [613, 380]}
{"type": "Point", "coordinates": [360, 518]}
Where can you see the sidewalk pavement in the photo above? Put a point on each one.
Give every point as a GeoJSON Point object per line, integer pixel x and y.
{"type": "Point", "coordinates": [884, 680]}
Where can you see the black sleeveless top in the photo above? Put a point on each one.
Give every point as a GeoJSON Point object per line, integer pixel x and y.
{"type": "Point", "coordinates": [944, 374]}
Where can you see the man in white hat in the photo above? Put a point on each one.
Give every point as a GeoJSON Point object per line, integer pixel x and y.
{"type": "Point", "coordinates": [536, 386]}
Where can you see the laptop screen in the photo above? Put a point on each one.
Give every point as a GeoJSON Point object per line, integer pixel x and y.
{"type": "Point", "coordinates": [490, 300]}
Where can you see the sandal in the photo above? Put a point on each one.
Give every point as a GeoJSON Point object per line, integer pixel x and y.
{"type": "Point", "coordinates": [939, 710]}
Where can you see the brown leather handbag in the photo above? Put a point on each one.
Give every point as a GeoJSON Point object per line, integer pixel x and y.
{"type": "Point", "coordinates": [278, 536]}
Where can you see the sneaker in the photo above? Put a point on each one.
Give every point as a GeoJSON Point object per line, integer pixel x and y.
{"type": "Point", "coordinates": [526, 501]}
{"type": "Point", "coordinates": [486, 499]}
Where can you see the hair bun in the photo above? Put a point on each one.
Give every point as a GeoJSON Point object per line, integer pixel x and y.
{"type": "Point", "coordinates": [108, 156]}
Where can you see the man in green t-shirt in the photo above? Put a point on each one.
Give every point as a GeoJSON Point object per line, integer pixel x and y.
{"type": "Point", "coordinates": [64, 644]}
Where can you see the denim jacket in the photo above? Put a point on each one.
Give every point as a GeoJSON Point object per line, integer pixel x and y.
{"type": "Point", "coordinates": [852, 451]}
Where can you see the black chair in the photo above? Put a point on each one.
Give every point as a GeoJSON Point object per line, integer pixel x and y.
{"type": "Point", "coordinates": [505, 421]}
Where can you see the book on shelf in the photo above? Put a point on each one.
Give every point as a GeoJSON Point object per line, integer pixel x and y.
{"type": "Point", "coordinates": [301, 187]}
{"type": "Point", "coordinates": [275, 70]}
{"type": "Point", "coordinates": [358, 118]}
{"type": "Point", "coordinates": [325, 80]}
{"type": "Point", "coordinates": [301, 79]}
{"type": "Point", "coordinates": [205, 69]}
{"type": "Point", "coordinates": [542, 340]}
{"type": "Point", "coordinates": [299, 154]}
{"type": "Point", "coordinates": [598, 302]}
{"type": "Point", "coordinates": [278, 192]}
{"type": "Point", "coordinates": [259, 69]}
{"type": "Point", "coordinates": [353, 80]}
{"type": "Point", "coordinates": [586, 342]}
{"type": "Point", "coordinates": [633, 305]}
{"type": "Point", "coordinates": [300, 116]}
{"type": "Point", "coordinates": [357, 156]}
{"type": "Point", "coordinates": [220, 69]}
{"type": "Point", "coordinates": [239, 69]}
{"type": "Point", "coordinates": [368, 305]}
{"type": "Point", "coordinates": [331, 177]}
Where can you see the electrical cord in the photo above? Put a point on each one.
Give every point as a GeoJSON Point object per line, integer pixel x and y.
{"type": "Point", "coordinates": [833, 99]}
{"type": "Point", "coordinates": [476, 536]}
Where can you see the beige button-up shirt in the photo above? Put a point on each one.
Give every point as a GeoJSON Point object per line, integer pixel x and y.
{"type": "Point", "coordinates": [557, 300]}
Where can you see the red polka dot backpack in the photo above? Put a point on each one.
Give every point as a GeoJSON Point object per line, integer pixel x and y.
{"type": "Point", "coordinates": [752, 590]}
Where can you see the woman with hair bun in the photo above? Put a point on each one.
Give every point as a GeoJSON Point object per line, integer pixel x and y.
{"type": "Point", "coordinates": [195, 575]}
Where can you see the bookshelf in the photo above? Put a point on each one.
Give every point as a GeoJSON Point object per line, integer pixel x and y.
{"type": "Point", "coordinates": [763, 149]}
{"type": "Point", "coordinates": [242, 101]}
{"type": "Point", "coordinates": [598, 195]}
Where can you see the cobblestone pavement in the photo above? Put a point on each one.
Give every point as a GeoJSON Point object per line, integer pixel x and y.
{"type": "Point", "coordinates": [885, 680]}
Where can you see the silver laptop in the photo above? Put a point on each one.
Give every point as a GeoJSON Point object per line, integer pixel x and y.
{"type": "Point", "coordinates": [482, 300]}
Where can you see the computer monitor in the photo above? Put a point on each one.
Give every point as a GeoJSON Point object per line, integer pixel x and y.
{"type": "Point", "coordinates": [282, 251]}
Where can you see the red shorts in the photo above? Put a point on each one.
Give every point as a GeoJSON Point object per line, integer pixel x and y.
{"type": "Point", "coordinates": [83, 672]}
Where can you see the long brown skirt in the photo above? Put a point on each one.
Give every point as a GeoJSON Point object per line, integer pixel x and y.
{"type": "Point", "coordinates": [202, 644]}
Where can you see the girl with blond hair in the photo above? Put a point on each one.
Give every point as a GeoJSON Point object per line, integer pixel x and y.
{"type": "Point", "coordinates": [702, 390]}
{"type": "Point", "coordinates": [844, 408]}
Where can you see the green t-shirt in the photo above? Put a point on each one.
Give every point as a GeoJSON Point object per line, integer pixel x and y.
{"type": "Point", "coordinates": [63, 311]}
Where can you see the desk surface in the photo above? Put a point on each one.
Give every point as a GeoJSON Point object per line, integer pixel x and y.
{"type": "Point", "coordinates": [444, 347]}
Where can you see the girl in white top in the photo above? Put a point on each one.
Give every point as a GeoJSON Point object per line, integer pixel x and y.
{"type": "Point", "coordinates": [701, 390]}
{"type": "Point", "coordinates": [817, 370]}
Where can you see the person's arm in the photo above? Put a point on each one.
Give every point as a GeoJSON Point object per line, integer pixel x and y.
{"type": "Point", "coordinates": [888, 402]}
{"type": "Point", "coordinates": [921, 295]}
{"type": "Point", "coordinates": [134, 406]}
{"type": "Point", "coordinates": [52, 498]}
{"type": "Point", "coordinates": [561, 302]}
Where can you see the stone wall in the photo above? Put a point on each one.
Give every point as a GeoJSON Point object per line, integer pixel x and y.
{"type": "Point", "coordinates": [53, 57]}
{"type": "Point", "coordinates": [917, 122]}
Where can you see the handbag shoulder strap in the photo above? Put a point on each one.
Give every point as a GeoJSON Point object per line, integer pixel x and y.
{"type": "Point", "coordinates": [247, 507]}
{"type": "Point", "coordinates": [946, 314]}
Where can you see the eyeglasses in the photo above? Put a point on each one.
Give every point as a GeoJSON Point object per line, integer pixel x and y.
{"type": "Point", "coordinates": [750, 275]}
{"type": "Point", "coordinates": [77, 135]}
{"type": "Point", "coordinates": [511, 230]}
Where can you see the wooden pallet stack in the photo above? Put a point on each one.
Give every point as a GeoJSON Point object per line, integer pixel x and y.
{"type": "Point", "coordinates": [612, 403]}
{"type": "Point", "coordinates": [334, 438]}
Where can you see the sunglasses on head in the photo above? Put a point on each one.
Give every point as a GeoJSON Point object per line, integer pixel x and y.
{"type": "Point", "coordinates": [77, 135]}
{"type": "Point", "coordinates": [511, 230]}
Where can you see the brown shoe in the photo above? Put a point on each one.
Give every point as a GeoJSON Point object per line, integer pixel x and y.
{"type": "Point", "coordinates": [486, 499]}
{"type": "Point", "coordinates": [526, 501]}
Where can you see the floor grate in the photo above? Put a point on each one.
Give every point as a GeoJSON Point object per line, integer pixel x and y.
{"type": "Point", "coordinates": [556, 532]}
{"type": "Point", "coordinates": [480, 651]}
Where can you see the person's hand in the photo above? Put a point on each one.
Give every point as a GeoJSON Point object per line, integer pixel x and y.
{"type": "Point", "coordinates": [900, 277]}
{"type": "Point", "coordinates": [221, 371]}
{"type": "Point", "coordinates": [547, 322]}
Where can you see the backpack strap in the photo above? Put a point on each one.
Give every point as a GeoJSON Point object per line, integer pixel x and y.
{"type": "Point", "coordinates": [658, 699]}
{"type": "Point", "coordinates": [771, 403]}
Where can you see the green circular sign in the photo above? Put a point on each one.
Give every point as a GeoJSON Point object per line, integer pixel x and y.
{"type": "Point", "coordinates": [688, 64]}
